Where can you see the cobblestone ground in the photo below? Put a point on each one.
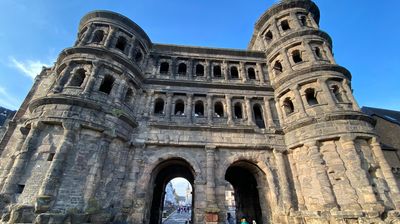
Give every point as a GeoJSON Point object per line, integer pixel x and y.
{"type": "Point", "coordinates": [178, 218]}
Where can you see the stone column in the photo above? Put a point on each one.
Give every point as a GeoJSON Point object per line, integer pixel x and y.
{"type": "Point", "coordinates": [189, 69]}
{"type": "Point", "coordinates": [349, 94]}
{"type": "Point", "coordinates": [279, 110]}
{"type": "Point", "coordinates": [88, 34]}
{"type": "Point", "coordinates": [189, 103]}
{"type": "Point", "coordinates": [209, 109]}
{"type": "Point", "coordinates": [132, 50]}
{"type": "Point", "coordinates": [317, 166]}
{"type": "Point", "coordinates": [228, 99]}
{"type": "Point", "coordinates": [356, 174]}
{"type": "Point", "coordinates": [267, 112]}
{"type": "Point", "coordinates": [284, 183]}
{"type": "Point", "coordinates": [173, 71]}
{"type": "Point", "coordinates": [211, 199]}
{"type": "Point", "coordinates": [96, 65]}
{"type": "Point", "coordinates": [309, 51]}
{"type": "Point", "coordinates": [148, 110]}
{"type": "Point", "coordinates": [296, 23]}
{"type": "Point", "coordinates": [63, 78]}
{"type": "Point", "coordinates": [326, 92]}
{"type": "Point", "coordinates": [299, 101]}
{"type": "Point", "coordinates": [94, 177]}
{"type": "Point", "coordinates": [275, 30]}
{"type": "Point", "coordinates": [242, 71]}
{"type": "Point", "coordinates": [119, 93]}
{"type": "Point", "coordinates": [286, 61]}
{"type": "Point", "coordinates": [51, 182]}
{"type": "Point", "coordinates": [168, 106]}
{"type": "Point", "coordinates": [260, 73]}
{"type": "Point", "coordinates": [249, 112]}
{"type": "Point", "coordinates": [328, 53]}
{"type": "Point", "coordinates": [312, 21]}
{"type": "Point", "coordinates": [225, 70]}
{"type": "Point", "coordinates": [387, 171]}
{"type": "Point", "coordinates": [21, 159]}
{"type": "Point", "coordinates": [23, 135]}
{"type": "Point", "coordinates": [110, 37]}
{"type": "Point", "coordinates": [207, 70]}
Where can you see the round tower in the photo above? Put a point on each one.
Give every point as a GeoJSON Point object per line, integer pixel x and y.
{"type": "Point", "coordinates": [336, 162]}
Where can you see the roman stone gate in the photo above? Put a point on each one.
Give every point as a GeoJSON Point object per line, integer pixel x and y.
{"type": "Point", "coordinates": [102, 132]}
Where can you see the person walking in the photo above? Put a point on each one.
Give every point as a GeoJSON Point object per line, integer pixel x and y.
{"type": "Point", "coordinates": [229, 219]}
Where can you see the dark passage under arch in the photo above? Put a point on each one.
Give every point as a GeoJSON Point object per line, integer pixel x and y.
{"type": "Point", "coordinates": [165, 172]}
{"type": "Point", "coordinates": [245, 190]}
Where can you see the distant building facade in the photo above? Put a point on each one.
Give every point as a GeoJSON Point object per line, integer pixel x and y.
{"type": "Point", "coordinates": [102, 132]}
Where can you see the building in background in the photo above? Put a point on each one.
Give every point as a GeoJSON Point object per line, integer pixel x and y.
{"type": "Point", "coordinates": [102, 132]}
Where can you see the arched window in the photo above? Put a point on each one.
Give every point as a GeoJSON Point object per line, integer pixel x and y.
{"type": "Point", "coordinates": [179, 108]}
{"type": "Point", "coordinates": [199, 70]}
{"type": "Point", "coordinates": [288, 106]}
{"type": "Point", "coordinates": [138, 56]}
{"type": "Point", "coordinates": [98, 36]}
{"type": "Point", "coordinates": [336, 92]}
{"type": "Point", "coordinates": [234, 72]}
{"type": "Point", "coordinates": [182, 69]}
{"type": "Point", "coordinates": [217, 71]}
{"type": "Point", "coordinates": [78, 78]}
{"type": "Point", "coordinates": [218, 109]}
{"type": "Point", "coordinates": [285, 25]}
{"type": "Point", "coordinates": [251, 73]}
{"type": "Point", "coordinates": [199, 109]}
{"type": "Point", "coordinates": [159, 106]}
{"type": "Point", "coordinates": [107, 84]}
{"type": "Point", "coordinates": [121, 44]}
{"type": "Point", "coordinates": [128, 96]}
{"type": "Point", "coordinates": [311, 97]}
{"type": "Point", "coordinates": [278, 68]}
{"type": "Point", "coordinates": [258, 116]}
{"type": "Point", "coordinates": [164, 68]}
{"type": "Point", "coordinates": [238, 110]}
{"type": "Point", "coordinates": [268, 36]}
{"type": "Point", "coordinates": [303, 20]}
{"type": "Point", "coordinates": [296, 56]}
{"type": "Point", "coordinates": [318, 53]}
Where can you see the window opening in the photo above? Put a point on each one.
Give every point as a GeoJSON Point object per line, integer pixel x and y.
{"type": "Point", "coordinates": [50, 157]}
{"type": "Point", "coordinates": [336, 92]}
{"type": "Point", "coordinates": [296, 55]}
{"type": "Point", "coordinates": [98, 36]}
{"type": "Point", "coordinates": [164, 68]}
{"type": "Point", "coordinates": [128, 95]}
{"type": "Point", "coordinates": [285, 25]}
{"type": "Point", "coordinates": [107, 84]}
{"type": "Point", "coordinates": [251, 73]}
{"type": "Point", "coordinates": [234, 72]}
{"type": "Point", "coordinates": [121, 44]}
{"type": "Point", "coordinates": [199, 70]}
{"type": "Point", "coordinates": [278, 68]}
{"type": "Point", "coordinates": [199, 109]}
{"type": "Point", "coordinates": [311, 97]}
{"type": "Point", "coordinates": [268, 36]}
{"type": "Point", "coordinates": [78, 78]}
{"type": "Point", "coordinates": [179, 108]}
{"type": "Point", "coordinates": [238, 110]}
{"type": "Point", "coordinates": [217, 71]}
{"type": "Point", "coordinates": [218, 109]}
{"type": "Point", "coordinates": [182, 69]}
{"type": "Point", "coordinates": [159, 106]}
{"type": "Point", "coordinates": [288, 106]}
{"type": "Point", "coordinates": [258, 116]}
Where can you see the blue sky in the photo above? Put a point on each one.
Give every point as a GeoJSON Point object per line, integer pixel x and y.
{"type": "Point", "coordinates": [365, 34]}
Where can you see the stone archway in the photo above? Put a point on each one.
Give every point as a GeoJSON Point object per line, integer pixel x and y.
{"type": "Point", "coordinates": [243, 177]}
{"type": "Point", "coordinates": [162, 174]}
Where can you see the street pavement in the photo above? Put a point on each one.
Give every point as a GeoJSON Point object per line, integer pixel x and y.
{"type": "Point", "coordinates": [178, 218]}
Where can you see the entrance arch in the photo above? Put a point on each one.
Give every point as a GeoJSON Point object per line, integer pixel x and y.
{"type": "Point", "coordinates": [162, 174]}
{"type": "Point", "coordinates": [242, 176]}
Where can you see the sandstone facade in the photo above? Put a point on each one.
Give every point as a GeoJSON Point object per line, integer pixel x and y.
{"type": "Point", "coordinates": [103, 131]}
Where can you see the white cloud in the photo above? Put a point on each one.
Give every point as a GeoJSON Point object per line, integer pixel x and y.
{"type": "Point", "coordinates": [30, 68]}
{"type": "Point", "coordinates": [7, 100]}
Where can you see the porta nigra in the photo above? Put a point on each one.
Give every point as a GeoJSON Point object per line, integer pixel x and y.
{"type": "Point", "coordinates": [117, 117]}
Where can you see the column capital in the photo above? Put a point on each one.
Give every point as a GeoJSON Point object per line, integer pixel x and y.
{"type": "Point", "coordinates": [311, 143]}
{"type": "Point", "coordinates": [71, 126]}
{"type": "Point", "coordinates": [347, 138]}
